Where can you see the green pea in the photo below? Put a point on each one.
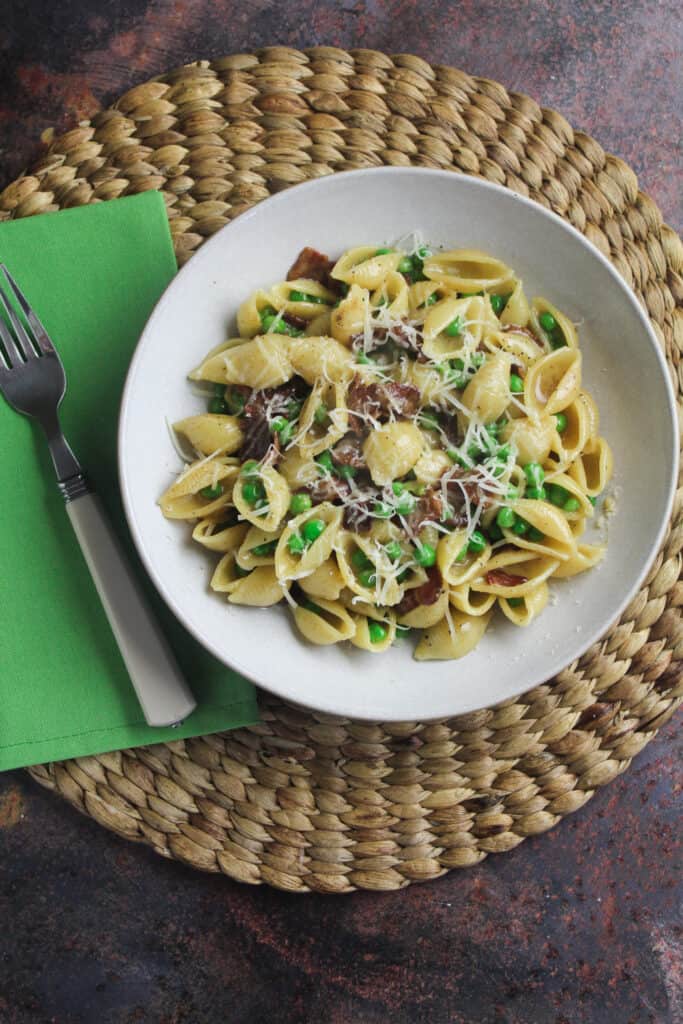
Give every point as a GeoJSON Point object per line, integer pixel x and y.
{"type": "Point", "coordinates": [593, 500]}
{"type": "Point", "coordinates": [359, 560]}
{"type": "Point", "coordinates": [262, 550]}
{"type": "Point", "coordinates": [393, 550]}
{"type": "Point", "coordinates": [572, 505]}
{"type": "Point", "coordinates": [278, 424]}
{"type": "Point", "coordinates": [267, 311]}
{"type": "Point", "coordinates": [547, 322]}
{"type": "Point", "coordinates": [240, 572]}
{"type": "Point", "coordinates": [431, 299]}
{"type": "Point", "coordinates": [313, 529]}
{"type": "Point", "coordinates": [382, 510]}
{"type": "Point", "coordinates": [402, 631]}
{"type": "Point", "coordinates": [534, 473]}
{"type": "Point", "coordinates": [296, 544]}
{"type": "Point", "coordinates": [560, 422]}
{"type": "Point", "coordinates": [382, 301]}
{"type": "Point", "coordinates": [405, 265]}
{"type": "Point", "coordinates": [498, 303]}
{"type": "Point", "coordinates": [269, 320]}
{"type": "Point", "coordinates": [477, 359]}
{"type": "Point", "coordinates": [305, 297]}
{"type": "Point", "coordinates": [293, 408]}
{"type": "Point", "coordinates": [457, 364]}
{"type": "Point", "coordinates": [454, 327]}
{"type": "Point", "coordinates": [397, 487]}
{"type": "Point", "coordinates": [516, 384]}
{"type": "Point", "coordinates": [557, 495]}
{"type": "Point", "coordinates": [537, 493]}
{"type": "Point", "coordinates": [249, 468]}
{"type": "Point", "coordinates": [505, 518]}
{"type": "Point", "coordinates": [367, 578]}
{"type": "Point", "coordinates": [212, 492]}
{"type": "Point", "coordinates": [515, 602]}
{"type": "Point", "coordinates": [320, 414]}
{"type": "Point", "coordinates": [512, 493]}
{"type": "Point", "coordinates": [299, 503]}
{"type": "Point", "coordinates": [462, 554]}
{"type": "Point", "coordinates": [324, 462]}
{"type": "Point", "coordinates": [382, 252]}
{"type": "Point", "coordinates": [459, 381]}
{"type": "Point", "coordinates": [406, 503]}
{"type": "Point", "coordinates": [218, 406]}
{"type": "Point", "coordinates": [346, 472]}
{"type": "Point", "coordinates": [428, 420]}
{"type": "Point", "coordinates": [520, 526]}
{"type": "Point", "coordinates": [286, 433]}
{"type": "Point", "coordinates": [477, 542]}
{"type": "Point", "coordinates": [363, 359]}
{"type": "Point", "coordinates": [377, 632]}
{"type": "Point", "coordinates": [535, 535]}
{"type": "Point", "coordinates": [423, 253]}
{"type": "Point", "coordinates": [252, 491]}
{"type": "Point", "coordinates": [425, 555]}
{"type": "Point", "coordinates": [311, 606]}
{"type": "Point", "coordinates": [403, 576]}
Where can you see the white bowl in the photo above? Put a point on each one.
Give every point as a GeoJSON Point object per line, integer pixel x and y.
{"type": "Point", "coordinates": [623, 369]}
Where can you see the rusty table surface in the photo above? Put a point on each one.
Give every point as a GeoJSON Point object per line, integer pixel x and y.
{"type": "Point", "coordinates": [579, 925]}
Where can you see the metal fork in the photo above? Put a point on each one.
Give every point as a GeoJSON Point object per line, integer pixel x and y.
{"type": "Point", "coordinates": [32, 380]}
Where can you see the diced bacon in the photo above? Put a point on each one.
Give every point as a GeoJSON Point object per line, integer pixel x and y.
{"type": "Point", "coordinates": [310, 264]}
{"type": "Point", "coordinates": [379, 400]}
{"type": "Point", "coordinates": [500, 578]}
{"type": "Point", "coordinates": [522, 330]}
{"type": "Point", "coordinates": [348, 452]}
{"type": "Point", "coordinates": [427, 593]}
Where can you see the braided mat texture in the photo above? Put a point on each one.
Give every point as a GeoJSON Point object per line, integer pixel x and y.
{"type": "Point", "coordinates": [305, 801]}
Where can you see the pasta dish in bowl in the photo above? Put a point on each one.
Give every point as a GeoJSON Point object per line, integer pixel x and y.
{"type": "Point", "coordinates": [397, 441]}
{"type": "Point", "coordinates": [387, 461]}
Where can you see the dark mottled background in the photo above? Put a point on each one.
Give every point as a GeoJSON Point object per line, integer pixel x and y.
{"type": "Point", "coordinates": [580, 926]}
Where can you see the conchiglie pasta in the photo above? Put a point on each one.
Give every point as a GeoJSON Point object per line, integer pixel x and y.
{"type": "Point", "coordinates": [320, 359]}
{"type": "Point", "coordinates": [516, 309]}
{"type": "Point", "coordinates": [392, 450]}
{"type": "Point", "coordinates": [324, 622]}
{"type": "Point", "coordinates": [269, 514]}
{"type": "Point", "coordinates": [452, 640]}
{"type": "Point", "coordinates": [487, 396]}
{"type": "Point", "coordinates": [184, 498]}
{"type": "Point", "coordinates": [261, 363]}
{"type": "Point", "coordinates": [553, 382]}
{"type": "Point", "coordinates": [349, 318]}
{"type": "Point", "coordinates": [363, 266]}
{"type": "Point", "coordinates": [260, 589]}
{"type": "Point", "coordinates": [401, 443]}
{"type": "Point", "coordinates": [211, 433]}
{"type": "Point", "coordinates": [523, 610]}
{"type": "Point", "coordinates": [468, 270]}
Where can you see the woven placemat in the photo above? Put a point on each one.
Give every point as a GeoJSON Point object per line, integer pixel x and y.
{"type": "Point", "coordinates": [306, 801]}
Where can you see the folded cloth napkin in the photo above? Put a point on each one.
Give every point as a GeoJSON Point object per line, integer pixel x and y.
{"type": "Point", "coordinates": [93, 275]}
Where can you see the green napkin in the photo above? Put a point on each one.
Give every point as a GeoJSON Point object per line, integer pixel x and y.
{"type": "Point", "coordinates": [93, 275]}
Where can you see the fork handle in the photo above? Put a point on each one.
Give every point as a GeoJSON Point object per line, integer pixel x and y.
{"type": "Point", "coordinates": [160, 687]}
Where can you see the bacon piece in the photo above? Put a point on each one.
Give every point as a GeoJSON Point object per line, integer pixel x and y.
{"type": "Point", "coordinates": [357, 517]}
{"type": "Point", "coordinates": [427, 593]}
{"type": "Point", "coordinates": [255, 419]}
{"type": "Point", "coordinates": [348, 452]}
{"type": "Point", "coordinates": [297, 322]}
{"type": "Point", "coordinates": [311, 264]}
{"type": "Point", "coordinates": [379, 400]}
{"type": "Point", "coordinates": [328, 488]}
{"type": "Point", "coordinates": [500, 578]}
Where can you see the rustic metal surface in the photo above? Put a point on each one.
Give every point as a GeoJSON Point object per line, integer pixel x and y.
{"type": "Point", "coordinates": [579, 925]}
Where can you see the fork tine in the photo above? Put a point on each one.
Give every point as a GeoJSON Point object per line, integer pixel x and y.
{"type": "Point", "coordinates": [19, 330]}
{"type": "Point", "coordinates": [12, 356]}
{"type": "Point", "coordinates": [40, 334]}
